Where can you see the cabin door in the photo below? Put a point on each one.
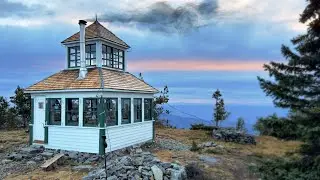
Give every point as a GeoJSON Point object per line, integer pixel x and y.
{"type": "Point", "coordinates": [39, 119]}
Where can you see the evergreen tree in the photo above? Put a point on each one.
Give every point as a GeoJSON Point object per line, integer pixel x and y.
{"type": "Point", "coordinates": [220, 113]}
{"type": "Point", "coordinates": [4, 105]}
{"type": "Point", "coordinates": [158, 103]}
{"type": "Point", "coordinates": [240, 126]}
{"type": "Point", "coordinates": [296, 83]}
{"type": "Point", "coordinates": [22, 102]}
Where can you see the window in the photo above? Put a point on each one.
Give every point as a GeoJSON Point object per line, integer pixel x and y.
{"type": "Point", "coordinates": [111, 105]}
{"type": "Point", "coordinates": [137, 110]}
{"type": "Point", "coordinates": [147, 109]}
{"type": "Point", "coordinates": [72, 112]}
{"type": "Point", "coordinates": [112, 57]}
{"type": "Point", "coordinates": [126, 111]}
{"type": "Point", "coordinates": [107, 56]}
{"type": "Point", "coordinates": [54, 111]}
{"type": "Point", "coordinates": [91, 55]}
{"type": "Point", "coordinates": [74, 56]}
{"type": "Point", "coordinates": [90, 112]}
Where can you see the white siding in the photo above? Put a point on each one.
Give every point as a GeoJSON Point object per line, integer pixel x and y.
{"type": "Point", "coordinates": [129, 134]}
{"type": "Point", "coordinates": [74, 139]}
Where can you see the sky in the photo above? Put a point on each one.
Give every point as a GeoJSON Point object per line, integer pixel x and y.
{"type": "Point", "coordinates": [193, 46]}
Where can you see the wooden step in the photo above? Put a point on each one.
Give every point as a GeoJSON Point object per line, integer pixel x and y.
{"type": "Point", "coordinates": [50, 163]}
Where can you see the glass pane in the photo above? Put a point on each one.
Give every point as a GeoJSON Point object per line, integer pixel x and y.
{"type": "Point", "coordinates": [120, 53]}
{"type": "Point", "coordinates": [125, 110]}
{"type": "Point", "coordinates": [72, 63]}
{"type": "Point", "coordinates": [72, 57]}
{"type": "Point", "coordinates": [93, 47]}
{"type": "Point", "coordinates": [72, 50]}
{"type": "Point", "coordinates": [137, 110]}
{"type": "Point", "coordinates": [54, 111]}
{"type": "Point", "coordinates": [121, 59]}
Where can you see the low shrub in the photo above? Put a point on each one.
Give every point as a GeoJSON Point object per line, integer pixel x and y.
{"type": "Point", "coordinates": [289, 168]}
{"type": "Point", "coordinates": [282, 128]}
{"type": "Point", "coordinates": [194, 172]}
{"type": "Point", "coordinates": [194, 147]}
{"type": "Point", "coordinates": [202, 127]}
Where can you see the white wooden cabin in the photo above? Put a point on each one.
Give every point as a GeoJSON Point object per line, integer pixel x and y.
{"type": "Point", "coordinates": [92, 97]}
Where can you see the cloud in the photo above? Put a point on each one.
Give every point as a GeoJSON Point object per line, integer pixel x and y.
{"type": "Point", "coordinates": [162, 16]}
{"type": "Point", "coordinates": [8, 9]}
{"type": "Point", "coordinates": [194, 65]}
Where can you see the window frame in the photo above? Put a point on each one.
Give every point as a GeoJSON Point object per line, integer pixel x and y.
{"type": "Point", "coordinates": [77, 51]}
{"type": "Point", "coordinates": [136, 111]}
{"type": "Point", "coordinates": [114, 58]}
{"type": "Point", "coordinates": [151, 109]}
{"type": "Point", "coordinates": [91, 59]}
{"type": "Point", "coordinates": [106, 101]}
{"type": "Point", "coordinates": [86, 111]}
{"type": "Point", "coordinates": [71, 111]}
{"type": "Point", "coordinates": [122, 111]}
{"type": "Point", "coordinates": [49, 111]}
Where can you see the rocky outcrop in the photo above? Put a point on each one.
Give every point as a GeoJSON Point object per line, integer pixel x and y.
{"type": "Point", "coordinates": [133, 163]}
{"type": "Point", "coordinates": [232, 135]}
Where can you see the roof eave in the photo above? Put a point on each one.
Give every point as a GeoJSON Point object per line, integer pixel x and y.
{"type": "Point", "coordinates": [126, 46]}
{"type": "Point", "coordinates": [88, 90]}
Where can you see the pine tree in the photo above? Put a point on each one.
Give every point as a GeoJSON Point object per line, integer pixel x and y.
{"type": "Point", "coordinates": [22, 102]}
{"type": "Point", "coordinates": [296, 83]}
{"type": "Point", "coordinates": [220, 113]}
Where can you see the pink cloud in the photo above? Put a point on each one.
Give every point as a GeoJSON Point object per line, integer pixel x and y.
{"type": "Point", "coordinates": [195, 65]}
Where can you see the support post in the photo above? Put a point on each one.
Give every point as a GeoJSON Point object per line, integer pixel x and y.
{"type": "Point", "coordinates": [102, 131]}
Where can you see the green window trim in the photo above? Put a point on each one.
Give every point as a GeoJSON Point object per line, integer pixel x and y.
{"type": "Point", "coordinates": [53, 113]}
{"type": "Point", "coordinates": [91, 59]}
{"type": "Point", "coordinates": [137, 109]}
{"type": "Point", "coordinates": [90, 111]}
{"type": "Point", "coordinates": [113, 57]}
{"type": "Point", "coordinates": [123, 111]}
{"type": "Point", "coordinates": [74, 113]}
{"type": "Point", "coordinates": [148, 102]}
{"type": "Point", "coordinates": [31, 122]}
{"type": "Point", "coordinates": [76, 55]}
{"type": "Point", "coordinates": [110, 111]}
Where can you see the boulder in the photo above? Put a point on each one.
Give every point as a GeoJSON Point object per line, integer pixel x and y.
{"type": "Point", "coordinates": [29, 150]}
{"type": "Point", "coordinates": [112, 177]}
{"type": "Point", "coordinates": [126, 160]}
{"type": "Point", "coordinates": [31, 163]}
{"type": "Point", "coordinates": [82, 168]}
{"type": "Point", "coordinates": [47, 154]}
{"type": "Point", "coordinates": [178, 174]}
{"type": "Point", "coordinates": [208, 159]}
{"type": "Point", "coordinates": [232, 135]}
{"type": "Point", "coordinates": [157, 172]}
{"type": "Point", "coordinates": [6, 161]}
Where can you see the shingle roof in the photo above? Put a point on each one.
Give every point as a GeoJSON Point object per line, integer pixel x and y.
{"type": "Point", "coordinates": [96, 30]}
{"type": "Point", "coordinates": [96, 78]}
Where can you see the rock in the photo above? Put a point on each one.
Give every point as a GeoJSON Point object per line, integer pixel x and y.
{"type": "Point", "coordinates": [207, 144]}
{"type": "Point", "coordinates": [31, 163]}
{"type": "Point", "coordinates": [138, 150]}
{"type": "Point", "coordinates": [38, 158]}
{"type": "Point", "coordinates": [15, 156]}
{"type": "Point", "coordinates": [126, 160]}
{"type": "Point", "coordinates": [172, 145]}
{"type": "Point", "coordinates": [178, 174]}
{"type": "Point", "coordinates": [232, 135]}
{"type": "Point", "coordinates": [157, 172]}
{"type": "Point", "coordinates": [47, 154]}
{"type": "Point", "coordinates": [208, 160]}
{"type": "Point", "coordinates": [29, 150]}
{"type": "Point", "coordinates": [166, 165]}
{"type": "Point", "coordinates": [73, 155]}
{"type": "Point", "coordinates": [93, 158]}
{"type": "Point", "coordinates": [6, 161]}
{"type": "Point", "coordinates": [112, 177]}
{"type": "Point", "coordinates": [138, 161]}
{"type": "Point", "coordinates": [82, 168]}
{"type": "Point", "coordinates": [128, 167]}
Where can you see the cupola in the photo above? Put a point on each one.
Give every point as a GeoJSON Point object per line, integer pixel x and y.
{"type": "Point", "coordinates": [102, 48]}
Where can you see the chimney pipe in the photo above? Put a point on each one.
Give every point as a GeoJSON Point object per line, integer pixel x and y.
{"type": "Point", "coordinates": [83, 70]}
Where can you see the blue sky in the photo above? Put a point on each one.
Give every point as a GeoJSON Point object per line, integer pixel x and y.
{"type": "Point", "coordinates": [224, 49]}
